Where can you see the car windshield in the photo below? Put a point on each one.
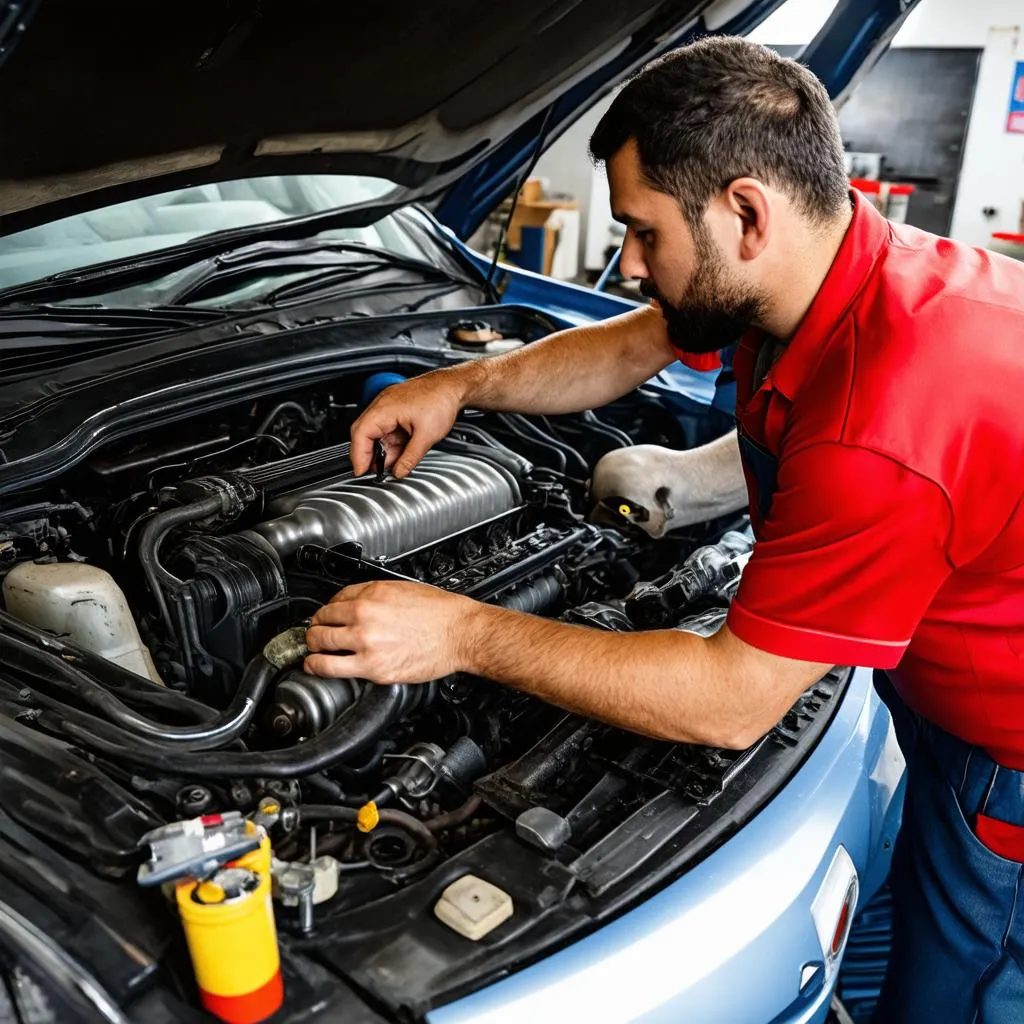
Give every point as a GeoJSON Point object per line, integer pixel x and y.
{"type": "Point", "coordinates": [173, 218]}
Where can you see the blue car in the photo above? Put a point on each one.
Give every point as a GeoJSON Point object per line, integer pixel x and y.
{"type": "Point", "coordinates": [224, 228]}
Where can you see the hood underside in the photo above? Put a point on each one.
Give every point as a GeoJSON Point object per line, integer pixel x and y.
{"type": "Point", "coordinates": [104, 100]}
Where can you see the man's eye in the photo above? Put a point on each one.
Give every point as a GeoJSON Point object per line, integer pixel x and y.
{"type": "Point", "coordinates": [646, 237]}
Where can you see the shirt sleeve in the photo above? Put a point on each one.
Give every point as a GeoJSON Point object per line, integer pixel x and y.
{"type": "Point", "coordinates": [850, 557]}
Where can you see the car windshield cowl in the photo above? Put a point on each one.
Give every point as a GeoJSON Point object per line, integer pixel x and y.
{"type": "Point", "coordinates": [121, 273]}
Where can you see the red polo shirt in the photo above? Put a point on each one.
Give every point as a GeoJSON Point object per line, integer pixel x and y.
{"type": "Point", "coordinates": [895, 534]}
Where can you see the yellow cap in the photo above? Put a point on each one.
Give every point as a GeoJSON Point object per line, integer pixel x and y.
{"type": "Point", "coordinates": [624, 509]}
{"type": "Point", "coordinates": [210, 892]}
{"type": "Point", "coordinates": [368, 817]}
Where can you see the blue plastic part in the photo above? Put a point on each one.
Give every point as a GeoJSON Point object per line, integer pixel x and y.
{"type": "Point", "coordinates": [377, 382]}
{"type": "Point", "coordinates": [856, 34]}
{"type": "Point", "coordinates": [531, 249]}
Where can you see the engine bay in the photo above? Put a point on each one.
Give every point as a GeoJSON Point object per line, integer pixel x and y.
{"type": "Point", "coordinates": [154, 599]}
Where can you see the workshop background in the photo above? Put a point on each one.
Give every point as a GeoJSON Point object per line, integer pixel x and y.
{"type": "Point", "coordinates": [930, 132]}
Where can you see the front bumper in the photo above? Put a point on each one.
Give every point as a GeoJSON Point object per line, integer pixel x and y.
{"type": "Point", "coordinates": [728, 943]}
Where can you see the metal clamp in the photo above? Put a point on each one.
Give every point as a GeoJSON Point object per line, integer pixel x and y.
{"type": "Point", "coordinates": [195, 848]}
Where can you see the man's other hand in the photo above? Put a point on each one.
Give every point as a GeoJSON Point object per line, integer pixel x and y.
{"type": "Point", "coordinates": [388, 632]}
{"type": "Point", "coordinates": [409, 419]}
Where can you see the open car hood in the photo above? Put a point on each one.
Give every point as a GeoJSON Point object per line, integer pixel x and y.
{"type": "Point", "coordinates": [107, 100]}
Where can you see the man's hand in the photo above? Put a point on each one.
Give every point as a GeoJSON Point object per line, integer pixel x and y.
{"type": "Point", "coordinates": [395, 633]}
{"type": "Point", "coordinates": [666, 684]}
{"type": "Point", "coordinates": [409, 418]}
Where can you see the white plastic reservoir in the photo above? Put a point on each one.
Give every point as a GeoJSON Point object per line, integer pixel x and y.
{"type": "Point", "coordinates": [83, 603]}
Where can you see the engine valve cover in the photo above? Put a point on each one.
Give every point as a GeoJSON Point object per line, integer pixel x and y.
{"type": "Point", "coordinates": [444, 495]}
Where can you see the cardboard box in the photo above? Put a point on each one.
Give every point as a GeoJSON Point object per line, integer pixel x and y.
{"type": "Point", "coordinates": [534, 215]}
{"type": "Point", "coordinates": [532, 191]}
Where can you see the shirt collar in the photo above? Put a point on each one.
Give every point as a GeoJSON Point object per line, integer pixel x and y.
{"type": "Point", "coordinates": [865, 240]}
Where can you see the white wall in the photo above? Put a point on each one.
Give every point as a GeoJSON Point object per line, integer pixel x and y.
{"type": "Point", "coordinates": [567, 168]}
{"type": "Point", "coordinates": [993, 168]}
{"type": "Point", "coordinates": [794, 23]}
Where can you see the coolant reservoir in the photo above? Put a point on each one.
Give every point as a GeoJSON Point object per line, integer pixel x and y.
{"type": "Point", "coordinates": [84, 604]}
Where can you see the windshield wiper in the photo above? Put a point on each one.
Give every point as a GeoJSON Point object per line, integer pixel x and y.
{"type": "Point", "coordinates": [56, 327]}
{"type": "Point", "coordinates": [70, 321]}
{"type": "Point", "coordinates": [138, 269]}
{"type": "Point", "coordinates": [339, 261]}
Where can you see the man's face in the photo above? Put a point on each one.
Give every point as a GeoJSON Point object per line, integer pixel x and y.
{"type": "Point", "coordinates": [705, 303]}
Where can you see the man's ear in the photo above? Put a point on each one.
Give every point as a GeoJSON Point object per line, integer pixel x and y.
{"type": "Point", "coordinates": [747, 200]}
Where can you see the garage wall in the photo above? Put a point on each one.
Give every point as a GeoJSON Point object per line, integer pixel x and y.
{"type": "Point", "coordinates": [567, 168]}
{"type": "Point", "coordinates": [992, 175]}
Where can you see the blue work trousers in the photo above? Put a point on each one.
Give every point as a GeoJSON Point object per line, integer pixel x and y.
{"type": "Point", "coordinates": [958, 928]}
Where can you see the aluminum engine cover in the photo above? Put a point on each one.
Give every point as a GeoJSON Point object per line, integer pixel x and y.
{"type": "Point", "coordinates": [444, 494]}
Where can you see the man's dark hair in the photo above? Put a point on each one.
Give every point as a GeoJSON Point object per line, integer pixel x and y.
{"type": "Point", "coordinates": [723, 108]}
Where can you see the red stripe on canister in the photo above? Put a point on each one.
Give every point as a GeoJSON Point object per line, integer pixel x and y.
{"type": "Point", "coordinates": [249, 1008]}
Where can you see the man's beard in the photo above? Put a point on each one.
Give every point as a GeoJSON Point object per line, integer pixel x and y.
{"type": "Point", "coordinates": [714, 310]}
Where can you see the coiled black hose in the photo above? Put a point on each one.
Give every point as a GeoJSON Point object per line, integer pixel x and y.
{"type": "Point", "coordinates": [52, 655]}
{"type": "Point", "coordinates": [228, 725]}
{"type": "Point", "coordinates": [355, 730]}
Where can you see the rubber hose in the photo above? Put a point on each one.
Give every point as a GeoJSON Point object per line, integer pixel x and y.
{"type": "Point", "coordinates": [486, 439]}
{"type": "Point", "coordinates": [591, 419]}
{"type": "Point", "coordinates": [511, 463]}
{"type": "Point", "coordinates": [217, 732]}
{"type": "Point", "coordinates": [152, 537]}
{"type": "Point", "coordinates": [456, 817]}
{"type": "Point", "coordinates": [135, 690]}
{"type": "Point", "coordinates": [310, 813]}
{"type": "Point", "coordinates": [357, 728]}
{"type": "Point", "coordinates": [548, 428]}
{"type": "Point", "coordinates": [545, 444]}
{"type": "Point", "coordinates": [332, 791]}
{"type": "Point", "coordinates": [533, 597]}
{"type": "Point", "coordinates": [277, 410]}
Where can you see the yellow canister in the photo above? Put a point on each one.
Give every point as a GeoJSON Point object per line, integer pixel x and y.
{"type": "Point", "coordinates": [229, 926]}
{"type": "Point", "coordinates": [256, 860]}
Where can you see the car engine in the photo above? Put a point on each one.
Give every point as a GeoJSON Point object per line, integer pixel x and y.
{"type": "Point", "coordinates": [153, 639]}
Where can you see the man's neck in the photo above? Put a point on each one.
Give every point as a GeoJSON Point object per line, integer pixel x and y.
{"type": "Point", "coordinates": [801, 280]}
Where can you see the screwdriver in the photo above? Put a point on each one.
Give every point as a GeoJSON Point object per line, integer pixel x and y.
{"type": "Point", "coordinates": [380, 455]}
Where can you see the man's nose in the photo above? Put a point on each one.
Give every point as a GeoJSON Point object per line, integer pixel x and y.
{"type": "Point", "coordinates": [631, 261]}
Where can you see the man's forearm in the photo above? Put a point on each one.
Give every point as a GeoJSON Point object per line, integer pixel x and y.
{"type": "Point", "coordinates": [573, 370]}
{"type": "Point", "coordinates": [667, 684]}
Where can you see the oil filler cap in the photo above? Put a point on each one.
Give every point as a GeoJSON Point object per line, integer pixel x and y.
{"type": "Point", "coordinates": [473, 907]}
